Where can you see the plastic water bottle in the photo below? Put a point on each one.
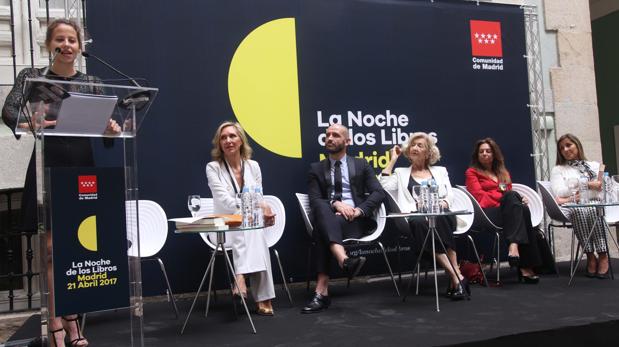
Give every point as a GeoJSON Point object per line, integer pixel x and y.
{"type": "Point", "coordinates": [583, 189]}
{"type": "Point", "coordinates": [607, 189]}
{"type": "Point", "coordinates": [424, 197]}
{"type": "Point", "coordinates": [257, 202]}
{"type": "Point", "coordinates": [246, 207]}
{"type": "Point", "coordinates": [434, 202]}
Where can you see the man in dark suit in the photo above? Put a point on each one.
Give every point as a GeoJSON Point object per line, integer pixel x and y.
{"type": "Point", "coordinates": [343, 193]}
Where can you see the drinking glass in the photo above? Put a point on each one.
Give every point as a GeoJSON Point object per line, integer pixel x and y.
{"type": "Point", "coordinates": [573, 185]}
{"type": "Point", "coordinates": [616, 187]}
{"type": "Point", "coordinates": [193, 203]}
{"type": "Point", "coordinates": [416, 192]}
{"type": "Point", "coordinates": [442, 195]}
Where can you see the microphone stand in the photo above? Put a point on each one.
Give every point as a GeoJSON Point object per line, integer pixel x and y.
{"type": "Point", "coordinates": [137, 99]}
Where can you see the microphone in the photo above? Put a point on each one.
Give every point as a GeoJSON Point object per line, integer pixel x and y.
{"type": "Point", "coordinates": [138, 99]}
{"type": "Point", "coordinates": [51, 62]}
{"type": "Point", "coordinates": [90, 55]}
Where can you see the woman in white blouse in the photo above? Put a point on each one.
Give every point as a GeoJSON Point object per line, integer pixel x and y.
{"type": "Point", "coordinates": [230, 171]}
{"type": "Point", "coordinates": [571, 165]}
{"type": "Point", "coordinates": [423, 154]}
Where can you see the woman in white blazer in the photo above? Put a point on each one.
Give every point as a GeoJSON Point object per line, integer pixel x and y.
{"type": "Point", "coordinates": [230, 171]}
{"type": "Point", "coordinates": [423, 154]}
{"type": "Point", "coordinates": [571, 164]}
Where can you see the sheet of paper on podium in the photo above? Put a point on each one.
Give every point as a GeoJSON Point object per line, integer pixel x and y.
{"type": "Point", "coordinates": [72, 118]}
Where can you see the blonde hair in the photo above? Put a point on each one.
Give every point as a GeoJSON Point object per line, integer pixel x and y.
{"type": "Point", "coordinates": [217, 153]}
{"type": "Point", "coordinates": [434, 155]}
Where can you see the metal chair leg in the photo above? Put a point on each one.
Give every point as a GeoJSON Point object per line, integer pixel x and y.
{"type": "Point", "coordinates": [399, 263]}
{"type": "Point", "coordinates": [309, 268]}
{"type": "Point", "coordinates": [418, 273]}
{"type": "Point", "coordinates": [167, 281]}
{"type": "Point", "coordinates": [83, 324]}
{"type": "Point", "coordinates": [281, 271]}
{"type": "Point", "coordinates": [498, 257]}
{"type": "Point", "coordinates": [551, 237]}
{"type": "Point", "coordinates": [389, 268]}
{"type": "Point", "coordinates": [478, 260]}
{"type": "Point", "coordinates": [572, 254]}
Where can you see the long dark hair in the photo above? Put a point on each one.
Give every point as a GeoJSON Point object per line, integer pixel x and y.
{"type": "Point", "coordinates": [498, 161]}
{"type": "Point", "coordinates": [581, 153]}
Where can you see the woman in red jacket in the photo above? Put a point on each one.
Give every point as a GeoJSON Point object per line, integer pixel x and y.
{"type": "Point", "coordinates": [489, 182]}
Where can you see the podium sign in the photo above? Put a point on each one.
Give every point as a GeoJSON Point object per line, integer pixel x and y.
{"type": "Point", "coordinates": [90, 269]}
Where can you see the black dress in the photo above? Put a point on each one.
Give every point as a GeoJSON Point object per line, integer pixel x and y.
{"type": "Point", "coordinates": [59, 151]}
{"type": "Point", "coordinates": [445, 226]}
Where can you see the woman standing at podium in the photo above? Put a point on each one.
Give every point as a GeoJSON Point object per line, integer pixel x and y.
{"type": "Point", "coordinates": [230, 171]}
{"type": "Point", "coordinates": [64, 42]}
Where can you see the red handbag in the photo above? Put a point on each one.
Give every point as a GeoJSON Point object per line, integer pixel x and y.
{"type": "Point", "coordinates": [472, 272]}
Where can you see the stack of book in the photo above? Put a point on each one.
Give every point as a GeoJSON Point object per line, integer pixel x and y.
{"type": "Point", "coordinates": [200, 224]}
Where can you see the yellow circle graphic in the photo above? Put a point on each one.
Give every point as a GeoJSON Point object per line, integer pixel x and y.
{"type": "Point", "coordinates": [263, 87]}
{"type": "Point", "coordinates": [87, 233]}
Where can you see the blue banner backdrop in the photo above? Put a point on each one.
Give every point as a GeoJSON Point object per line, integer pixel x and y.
{"type": "Point", "coordinates": [285, 68]}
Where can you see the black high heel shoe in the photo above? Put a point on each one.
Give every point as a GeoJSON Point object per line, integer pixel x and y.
{"type": "Point", "coordinates": [527, 279]}
{"type": "Point", "coordinates": [513, 261]}
{"type": "Point", "coordinates": [458, 293]}
{"type": "Point", "coordinates": [450, 291]}
{"type": "Point", "coordinates": [54, 337]}
{"type": "Point", "coordinates": [80, 340]}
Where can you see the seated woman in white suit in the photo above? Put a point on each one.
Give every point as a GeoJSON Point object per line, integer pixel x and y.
{"type": "Point", "coordinates": [423, 154]}
{"type": "Point", "coordinates": [230, 171]}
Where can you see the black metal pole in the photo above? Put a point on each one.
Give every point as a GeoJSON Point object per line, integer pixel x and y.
{"type": "Point", "coordinates": [47, 19]}
{"type": "Point", "coordinates": [30, 33]}
{"type": "Point", "coordinates": [84, 26]}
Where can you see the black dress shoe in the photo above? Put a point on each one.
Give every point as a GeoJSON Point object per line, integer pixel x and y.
{"type": "Point", "coordinates": [352, 266]}
{"type": "Point", "coordinates": [318, 303]}
{"type": "Point", "coordinates": [527, 279]}
{"type": "Point", "coordinates": [603, 276]}
{"type": "Point", "coordinates": [591, 274]}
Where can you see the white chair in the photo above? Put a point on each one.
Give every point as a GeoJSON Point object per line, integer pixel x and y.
{"type": "Point", "coordinates": [272, 234]}
{"type": "Point", "coordinates": [535, 203]}
{"type": "Point", "coordinates": [461, 202]}
{"type": "Point", "coordinates": [153, 232]}
{"type": "Point", "coordinates": [379, 217]}
{"type": "Point", "coordinates": [612, 216]}
{"type": "Point", "coordinates": [401, 226]}
{"type": "Point", "coordinates": [558, 218]}
{"type": "Point", "coordinates": [481, 222]}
